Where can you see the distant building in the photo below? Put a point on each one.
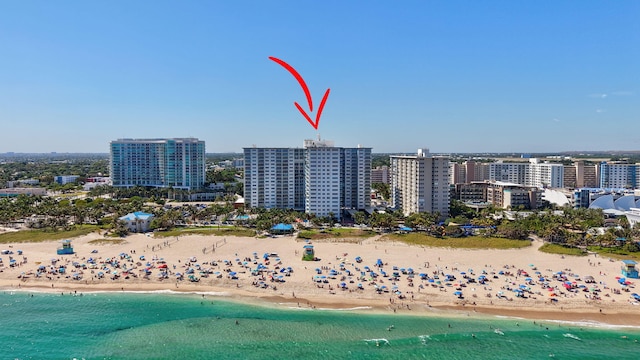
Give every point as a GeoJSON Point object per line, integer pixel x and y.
{"type": "Point", "coordinates": [238, 163]}
{"type": "Point", "coordinates": [12, 192]}
{"type": "Point", "coordinates": [500, 194]}
{"type": "Point", "coordinates": [633, 216]}
{"type": "Point", "coordinates": [138, 221]}
{"type": "Point", "coordinates": [473, 191]}
{"type": "Point", "coordinates": [66, 179]}
{"type": "Point", "coordinates": [469, 171]}
{"type": "Point", "coordinates": [420, 183]}
{"type": "Point", "coordinates": [178, 163]}
{"type": "Point", "coordinates": [380, 175]}
{"type": "Point", "coordinates": [614, 175]}
{"type": "Point", "coordinates": [579, 175]}
{"type": "Point", "coordinates": [96, 181]}
{"type": "Point", "coordinates": [509, 195]}
{"type": "Point", "coordinates": [457, 173]}
{"type": "Point", "coordinates": [570, 176]}
{"type": "Point", "coordinates": [31, 182]}
{"type": "Point", "coordinates": [533, 173]}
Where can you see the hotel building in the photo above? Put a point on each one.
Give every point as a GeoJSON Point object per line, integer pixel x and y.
{"type": "Point", "coordinates": [178, 163]}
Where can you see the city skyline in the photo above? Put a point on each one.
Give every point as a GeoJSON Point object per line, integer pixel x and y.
{"type": "Point", "coordinates": [454, 77]}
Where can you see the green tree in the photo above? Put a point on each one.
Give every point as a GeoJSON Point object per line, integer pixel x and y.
{"type": "Point", "coordinates": [382, 189]}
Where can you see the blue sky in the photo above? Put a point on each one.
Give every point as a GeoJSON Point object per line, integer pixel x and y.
{"type": "Point", "coordinates": [453, 76]}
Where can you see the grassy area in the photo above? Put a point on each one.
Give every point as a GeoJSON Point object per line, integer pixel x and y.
{"type": "Point", "coordinates": [107, 242]}
{"type": "Point", "coordinates": [335, 233]}
{"type": "Point", "coordinates": [562, 250]}
{"type": "Point", "coordinates": [206, 231]}
{"type": "Point", "coordinates": [41, 235]}
{"type": "Point", "coordinates": [616, 253]}
{"type": "Point", "coordinates": [470, 242]}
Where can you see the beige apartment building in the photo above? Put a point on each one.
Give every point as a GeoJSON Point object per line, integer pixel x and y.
{"type": "Point", "coordinates": [420, 183]}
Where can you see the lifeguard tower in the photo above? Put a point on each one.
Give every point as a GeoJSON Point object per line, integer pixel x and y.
{"type": "Point", "coordinates": [66, 248]}
{"type": "Point", "coordinates": [308, 254]}
{"type": "Point", "coordinates": [629, 269]}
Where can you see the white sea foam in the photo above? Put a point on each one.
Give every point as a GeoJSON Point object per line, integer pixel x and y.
{"type": "Point", "coordinates": [571, 336]}
{"type": "Point", "coordinates": [378, 342]}
{"type": "Point", "coordinates": [161, 292]}
{"type": "Point", "coordinates": [346, 309]}
{"type": "Point", "coordinates": [424, 339]}
{"type": "Point", "coordinates": [593, 324]}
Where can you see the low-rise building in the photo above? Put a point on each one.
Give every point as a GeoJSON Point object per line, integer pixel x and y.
{"type": "Point", "coordinates": [65, 179]}
{"type": "Point", "coordinates": [138, 221]}
{"type": "Point", "coordinates": [11, 192]}
{"type": "Point", "coordinates": [501, 194]}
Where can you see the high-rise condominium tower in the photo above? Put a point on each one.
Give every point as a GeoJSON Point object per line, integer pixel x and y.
{"type": "Point", "coordinates": [177, 163]}
{"type": "Point", "coordinates": [420, 183]}
{"type": "Point", "coordinates": [319, 178]}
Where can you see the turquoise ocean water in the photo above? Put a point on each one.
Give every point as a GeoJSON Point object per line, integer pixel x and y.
{"type": "Point", "coordinates": [186, 326]}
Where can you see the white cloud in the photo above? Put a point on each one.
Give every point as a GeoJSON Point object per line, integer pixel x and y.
{"type": "Point", "coordinates": [598, 96]}
{"type": "Point", "coordinates": [600, 111]}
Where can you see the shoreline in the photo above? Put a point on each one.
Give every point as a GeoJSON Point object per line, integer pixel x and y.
{"type": "Point", "coordinates": [571, 316]}
{"type": "Point", "coordinates": [283, 279]}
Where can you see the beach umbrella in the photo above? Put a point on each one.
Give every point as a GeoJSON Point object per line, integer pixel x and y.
{"type": "Point", "coordinates": [457, 293]}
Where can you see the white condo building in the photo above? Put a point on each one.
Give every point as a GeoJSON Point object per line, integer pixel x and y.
{"type": "Point", "coordinates": [319, 178]}
{"type": "Point", "coordinates": [528, 174]}
{"type": "Point", "coordinates": [274, 178]}
{"type": "Point", "coordinates": [322, 188]}
{"type": "Point", "coordinates": [420, 183]}
{"type": "Point", "coordinates": [619, 176]}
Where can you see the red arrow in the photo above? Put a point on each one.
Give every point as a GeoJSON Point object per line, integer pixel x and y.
{"type": "Point", "coordinates": [305, 88]}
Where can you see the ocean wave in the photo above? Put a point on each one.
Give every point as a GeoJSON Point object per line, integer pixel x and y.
{"type": "Point", "coordinates": [424, 338]}
{"type": "Point", "coordinates": [296, 307]}
{"type": "Point", "coordinates": [161, 292]}
{"type": "Point", "coordinates": [378, 342]}
{"type": "Point", "coordinates": [593, 324]}
{"type": "Point", "coordinates": [571, 336]}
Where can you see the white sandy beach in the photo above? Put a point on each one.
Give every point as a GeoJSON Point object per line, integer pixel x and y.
{"type": "Point", "coordinates": [302, 285]}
